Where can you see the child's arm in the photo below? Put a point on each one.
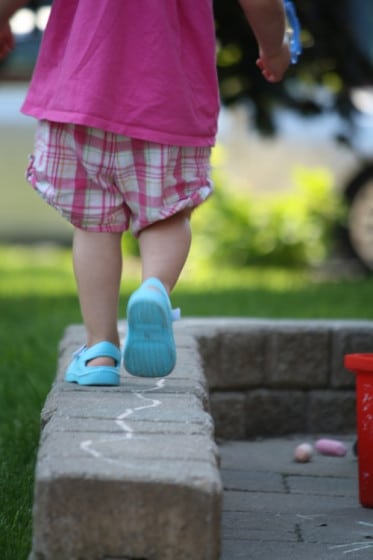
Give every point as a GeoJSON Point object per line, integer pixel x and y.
{"type": "Point", "coordinates": [7, 9]}
{"type": "Point", "coordinates": [267, 20]}
{"type": "Point", "coordinates": [6, 40]}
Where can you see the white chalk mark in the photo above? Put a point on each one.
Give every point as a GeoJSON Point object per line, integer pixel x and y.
{"type": "Point", "coordinates": [87, 447]}
{"type": "Point", "coordinates": [154, 402]}
{"type": "Point", "coordinates": [128, 431]}
{"type": "Point", "coordinates": [365, 523]}
{"type": "Point", "coordinates": [356, 546]}
{"type": "Point", "coordinates": [363, 545]}
{"type": "Point", "coordinates": [358, 549]}
{"type": "Point", "coordinates": [123, 425]}
{"type": "Point", "coordinates": [161, 383]}
{"type": "Point", "coordinates": [346, 545]}
{"type": "Point", "coordinates": [125, 414]}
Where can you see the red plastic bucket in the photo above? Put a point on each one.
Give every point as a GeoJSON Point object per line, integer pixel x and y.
{"type": "Point", "coordinates": [362, 366]}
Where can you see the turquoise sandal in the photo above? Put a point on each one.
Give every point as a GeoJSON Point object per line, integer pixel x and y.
{"type": "Point", "coordinates": [149, 349]}
{"type": "Point", "coordinates": [80, 372]}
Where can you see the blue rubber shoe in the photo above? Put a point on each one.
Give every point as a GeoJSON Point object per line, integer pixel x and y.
{"type": "Point", "coordinates": [80, 372]}
{"type": "Point", "coordinates": [149, 349]}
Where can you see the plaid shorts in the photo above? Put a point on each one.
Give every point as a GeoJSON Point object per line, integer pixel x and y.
{"type": "Point", "coordinates": [104, 182]}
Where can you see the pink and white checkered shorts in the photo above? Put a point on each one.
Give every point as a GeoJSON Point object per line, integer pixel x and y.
{"type": "Point", "coordinates": [104, 182]}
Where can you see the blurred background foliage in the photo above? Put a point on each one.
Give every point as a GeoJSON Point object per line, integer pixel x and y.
{"type": "Point", "coordinates": [293, 229]}
{"type": "Point", "coordinates": [296, 227]}
{"type": "Point", "coordinates": [337, 56]}
{"type": "Point", "coordinates": [333, 75]}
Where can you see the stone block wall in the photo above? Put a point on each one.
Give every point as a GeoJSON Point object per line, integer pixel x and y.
{"type": "Point", "coordinates": [277, 377]}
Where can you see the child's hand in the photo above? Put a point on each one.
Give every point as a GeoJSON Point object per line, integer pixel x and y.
{"type": "Point", "coordinates": [6, 40]}
{"type": "Point", "coordinates": [274, 67]}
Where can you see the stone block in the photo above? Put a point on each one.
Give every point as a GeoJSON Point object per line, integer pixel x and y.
{"type": "Point", "coordinates": [235, 359]}
{"type": "Point", "coordinates": [96, 515]}
{"type": "Point", "coordinates": [348, 338]}
{"type": "Point", "coordinates": [275, 413]}
{"type": "Point", "coordinates": [242, 358]}
{"type": "Point", "coordinates": [129, 471]}
{"type": "Point", "coordinates": [228, 413]}
{"type": "Point", "coordinates": [331, 411]}
{"type": "Point", "coordinates": [298, 355]}
{"type": "Point", "coordinates": [209, 350]}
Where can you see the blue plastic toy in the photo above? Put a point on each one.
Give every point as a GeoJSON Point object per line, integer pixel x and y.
{"type": "Point", "coordinates": [293, 31]}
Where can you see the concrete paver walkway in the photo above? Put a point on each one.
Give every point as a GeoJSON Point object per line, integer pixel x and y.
{"type": "Point", "coordinates": [275, 508]}
{"type": "Point", "coordinates": [132, 472]}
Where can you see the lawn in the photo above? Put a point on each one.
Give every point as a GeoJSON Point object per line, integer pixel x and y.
{"type": "Point", "coordinates": [38, 300]}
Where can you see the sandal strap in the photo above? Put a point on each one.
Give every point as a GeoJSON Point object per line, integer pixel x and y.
{"type": "Point", "coordinates": [102, 349]}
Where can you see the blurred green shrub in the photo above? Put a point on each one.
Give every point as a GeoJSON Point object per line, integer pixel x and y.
{"type": "Point", "coordinates": [130, 245]}
{"type": "Point", "coordinates": [293, 229]}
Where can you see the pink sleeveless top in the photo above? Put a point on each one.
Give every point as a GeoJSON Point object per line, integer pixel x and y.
{"type": "Point", "coordinates": [141, 68]}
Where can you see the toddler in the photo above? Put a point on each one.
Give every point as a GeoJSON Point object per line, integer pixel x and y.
{"type": "Point", "coordinates": [126, 97]}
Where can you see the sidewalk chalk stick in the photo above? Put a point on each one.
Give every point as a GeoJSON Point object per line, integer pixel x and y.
{"type": "Point", "coordinates": [331, 447]}
{"type": "Point", "coordinates": [303, 453]}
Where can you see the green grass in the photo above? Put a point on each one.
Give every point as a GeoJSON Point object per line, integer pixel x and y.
{"type": "Point", "coordinates": [37, 302]}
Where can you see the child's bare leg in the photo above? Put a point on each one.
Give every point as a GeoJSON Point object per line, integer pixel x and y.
{"type": "Point", "coordinates": [164, 247]}
{"type": "Point", "coordinates": [98, 268]}
{"type": "Point", "coordinates": [149, 348]}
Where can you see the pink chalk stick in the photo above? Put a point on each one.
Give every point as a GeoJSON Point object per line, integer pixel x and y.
{"type": "Point", "coordinates": [331, 447]}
